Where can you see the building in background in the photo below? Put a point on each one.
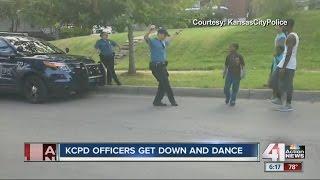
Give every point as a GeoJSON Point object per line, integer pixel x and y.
{"type": "Point", "coordinates": [17, 26]}
{"type": "Point", "coordinates": [237, 9]}
{"type": "Point", "coordinates": [240, 9]}
{"type": "Point", "coordinates": [21, 26]}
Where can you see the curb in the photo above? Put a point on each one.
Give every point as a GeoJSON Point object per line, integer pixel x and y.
{"type": "Point", "coordinates": [206, 92]}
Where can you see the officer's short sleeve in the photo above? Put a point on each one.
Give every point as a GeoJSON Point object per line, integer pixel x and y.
{"type": "Point", "coordinates": [148, 40]}
{"type": "Point", "coordinates": [151, 42]}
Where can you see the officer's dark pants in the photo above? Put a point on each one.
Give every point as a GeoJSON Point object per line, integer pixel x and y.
{"type": "Point", "coordinates": [160, 72]}
{"type": "Point", "coordinates": [108, 62]}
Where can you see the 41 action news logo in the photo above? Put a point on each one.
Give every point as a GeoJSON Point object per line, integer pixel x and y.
{"type": "Point", "coordinates": [281, 152]}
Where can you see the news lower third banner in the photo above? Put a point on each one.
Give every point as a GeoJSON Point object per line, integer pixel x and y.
{"type": "Point", "coordinates": [141, 152]}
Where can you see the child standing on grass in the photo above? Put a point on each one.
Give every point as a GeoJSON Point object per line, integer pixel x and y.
{"type": "Point", "coordinates": [233, 73]}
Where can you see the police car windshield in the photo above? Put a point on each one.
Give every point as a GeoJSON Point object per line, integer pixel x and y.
{"type": "Point", "coordinates": [36, 47]}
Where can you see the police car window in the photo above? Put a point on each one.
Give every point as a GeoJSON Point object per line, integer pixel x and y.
{"type": "Point", "coordinates": [37, 47]}
{"type": "Point", "coordinates": [4, 48]}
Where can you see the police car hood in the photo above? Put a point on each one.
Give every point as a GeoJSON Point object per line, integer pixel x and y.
{"type": "Point", "coordinates": [65, 58]}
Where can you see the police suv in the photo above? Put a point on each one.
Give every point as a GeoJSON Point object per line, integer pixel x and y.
{"type": "Point", "coordinates": [38, 70]}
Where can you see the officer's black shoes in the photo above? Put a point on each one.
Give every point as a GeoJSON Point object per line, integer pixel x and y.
{"type": "Point", "coordinates": [174, 104]}
{"type": "Point", "coordinates": [118, 83]}
{"type": "Point", "coordinates": [159, 104]}
{"type": "Point", "coordinates": [163, 104]}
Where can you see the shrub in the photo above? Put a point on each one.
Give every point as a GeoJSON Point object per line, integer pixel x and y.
{"type": "Point", "coordinates": [73, 32]}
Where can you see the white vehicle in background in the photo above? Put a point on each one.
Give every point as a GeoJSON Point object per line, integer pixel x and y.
{"type": "Point", "coordinates": [96, 29]}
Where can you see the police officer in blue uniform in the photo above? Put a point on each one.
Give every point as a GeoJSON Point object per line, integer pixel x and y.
{"type": "Point", "coordinates": [158, 64]}
{"type": "Point", "coordinates": [106, 52]}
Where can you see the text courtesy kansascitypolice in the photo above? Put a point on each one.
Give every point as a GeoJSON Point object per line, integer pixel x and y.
{"type": "Point", "coordinates": [233, 22]}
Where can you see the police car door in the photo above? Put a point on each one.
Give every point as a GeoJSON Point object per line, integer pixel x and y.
{"type": "Point", "coordinates": [8, 65]}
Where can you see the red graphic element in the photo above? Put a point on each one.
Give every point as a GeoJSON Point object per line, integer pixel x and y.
{"type": "Point", "coordinates": [27, 152]}
{"type": "Point", "coordinates": [293, 167]}
{"type": "Point", "coordinates": [49, 152]}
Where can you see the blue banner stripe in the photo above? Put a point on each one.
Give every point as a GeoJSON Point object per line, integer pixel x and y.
{"type": "Point", "coordinates": [158, 150]}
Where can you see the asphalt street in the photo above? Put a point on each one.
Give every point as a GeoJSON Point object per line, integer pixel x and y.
{"type": "Point", "coordinates": [125, 118]}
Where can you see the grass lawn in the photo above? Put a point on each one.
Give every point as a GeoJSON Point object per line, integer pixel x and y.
{"type": "Point", "coordinates": [213, 79]}
{"type": "Point", "coordinates": [205, 49]}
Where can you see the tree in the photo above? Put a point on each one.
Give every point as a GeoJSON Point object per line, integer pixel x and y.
{"type": "Point", "coordinates": [12, 10]}
{"type": "Point", "coordinates": [80, 14]}
{"type": "Point", "coordinates": [143, 12]}
{"type": "Point", "coordinates": [86, 13]}
{"type": "Point", "coordinates": [272, 7]}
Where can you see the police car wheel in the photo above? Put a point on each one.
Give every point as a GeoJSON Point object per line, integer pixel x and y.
{"type": "Point", "coordinates": [35, 90]}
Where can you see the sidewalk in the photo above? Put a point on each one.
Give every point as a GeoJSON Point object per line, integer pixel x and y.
{"type": "Point", "coordinates": [207, 92]}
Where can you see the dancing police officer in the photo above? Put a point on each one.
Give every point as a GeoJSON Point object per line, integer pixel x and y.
{"type": "Point", "coordinates": [158, 64]}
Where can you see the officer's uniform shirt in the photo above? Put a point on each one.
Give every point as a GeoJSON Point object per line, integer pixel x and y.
{"type": "Point", "coordinates": [105, 47]}
{"type": "Point", "coordinates": [157, 49]}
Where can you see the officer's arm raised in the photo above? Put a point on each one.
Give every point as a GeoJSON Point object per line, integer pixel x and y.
{"type": "Point", "coordinates": [151, 29]}
{"type": "Point", "coordinates": [173, 36]}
